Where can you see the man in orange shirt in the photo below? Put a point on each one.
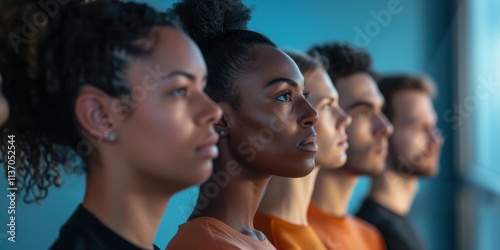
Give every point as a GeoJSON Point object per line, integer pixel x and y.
{"type": "Point", "coordinates": [350, 70]}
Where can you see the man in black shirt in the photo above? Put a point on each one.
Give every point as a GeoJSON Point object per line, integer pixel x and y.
{"type": "Point", "coordinates": [414, 150]}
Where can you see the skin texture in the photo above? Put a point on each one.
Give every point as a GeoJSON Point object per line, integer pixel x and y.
{"type": "Point", "coordinates": [4, 105]}
{"type": "Point", "coordinates": [273, 118]}
{"type": "Point", "coordinates": [263, 107]}
{"type": "Point", "coordinates": [414, 151]}
{"type": "Point", "coordinates": [289, 198]}
{"type": "Point", "coordinates": [416, 142]}
{"type": "Point", "coordinates": [368, 133]}
{"type": "Point", "coordinates": [332, 123]}
{"type": "Point", "coordinates": [369, 130]}
{"type": "Point", "coordinates": [164, 144]}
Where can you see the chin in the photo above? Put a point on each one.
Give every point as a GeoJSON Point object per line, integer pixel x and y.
{"type": "Point", "coordinates": [375, 170]}
{"type": "Point", "coordinates": [426, 171]}
{"type": "Point", "coordinates": [200, 173]}
{"type": "Point", "coordinates": [337, 163]}
{"type": "Point", "coordinates": [300, 171]}
{"type": "Point", "coordinates": [205, 171]}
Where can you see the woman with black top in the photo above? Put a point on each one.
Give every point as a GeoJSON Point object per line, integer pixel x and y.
{"type": "Point", "coordinates": [121, 85]}
{"type": "Point", "coordinates": [266, 129]}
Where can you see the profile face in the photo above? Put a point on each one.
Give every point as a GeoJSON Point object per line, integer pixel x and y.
{"type": "Point", "coordinates": [169, 136]}
{"type": "Point", "coordinates": [273, 131]}
{"type": "Point", "coordinates": [4, 105]}
{"type": "Point", "coordinates": [416, 143]}
{"type": "Point", "coordinates": [369, 130]}
{"type": "Point", "coordinates": [332, 123]}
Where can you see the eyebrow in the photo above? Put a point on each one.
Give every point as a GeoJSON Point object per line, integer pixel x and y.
{"type": "Point", "coordinates": [279, 80]}
{"type": "Point", "coordinates": [328, 99]}
{"type": "Point", "coordinates": [360, 103]}
{"type": "Point", "coordinates": [189, 76]}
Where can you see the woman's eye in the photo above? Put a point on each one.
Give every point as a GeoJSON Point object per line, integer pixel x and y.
{"type": "Point", "coordinates": [286, 97]}
{"type": "Point", "coordinates": [180, 92]}
{"type": "Point", "coordinates": [327, 107]}
{"type": "Point", "coordinates": [362, 113]}
{"type": "Point", "coordinates": [306, 94]}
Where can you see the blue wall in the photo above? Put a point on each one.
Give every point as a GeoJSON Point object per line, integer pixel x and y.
{"type": "Point", "coordinates": [417, 39]}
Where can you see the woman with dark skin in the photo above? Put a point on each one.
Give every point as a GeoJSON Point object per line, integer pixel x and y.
{"type": "Point", "coordinates": [121, 85]}
{"type": "Point", "coordinates": [282, 213]}
{"type": "Point", "coordinates": [266, 129]}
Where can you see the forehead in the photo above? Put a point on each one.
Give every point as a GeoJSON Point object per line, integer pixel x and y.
{"type": "Point", "coordinates": [320, 86]}
{"type": "Point", "coordinates": [268, 64]}
{"type": "Point", "coordinates": [358, 87]}
{"type": "Point", "coordinates": [412, 104]}
{"type": "Point", "coordinates": [171, 50]}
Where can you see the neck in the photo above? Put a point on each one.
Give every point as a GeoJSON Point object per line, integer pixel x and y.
{"type": "Point", "coordinates": [333, 191]}
{"type": "Point", "coordinates": [238, 190]}
{"type": "Point", "coordinates": [394, 191]}
{"type": "Point", "coordinates": [134, 215]}
{"type": "Point", "coordinates": [289, 198]}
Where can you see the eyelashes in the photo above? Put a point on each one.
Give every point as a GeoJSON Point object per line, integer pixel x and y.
{"type": "Point", "coordinates": [287, 96]}
{"type": "Point", "coordinates": [305, 94]}
{"type": "Point", "coordinates": [180, 92]}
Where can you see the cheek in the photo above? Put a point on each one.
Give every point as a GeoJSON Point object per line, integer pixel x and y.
{"type": "Point", "coordinates": [408, 143]}
{"type": "Point", "coordinates": [325, 128]}
{"type": "Point", "coordinates": [264, 128]}
{"type": "Point", "coordinates": [359, 133]}
{"type": "Point", "coordinates": [158, 131]}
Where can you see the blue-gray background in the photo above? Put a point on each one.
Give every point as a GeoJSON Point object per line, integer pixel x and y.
{"type": "Point", "coordinates": [418, 39]}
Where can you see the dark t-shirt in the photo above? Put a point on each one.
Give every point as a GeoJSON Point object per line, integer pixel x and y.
{"type": "Point", "coordinates": [83, 231]}
{"type": "Point", "coordinates": [397, 230]}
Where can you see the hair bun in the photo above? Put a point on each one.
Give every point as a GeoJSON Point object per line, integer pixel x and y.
{"type": "Point", "coordinates": [206, 19]}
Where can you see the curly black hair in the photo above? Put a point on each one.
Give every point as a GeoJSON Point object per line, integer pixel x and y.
{"type": "Point", "coordinates": [84, 43]}
{"type": "Point", "coordinates": [219, 27]}
{"type": "Point", "coordinates": [342, 60]}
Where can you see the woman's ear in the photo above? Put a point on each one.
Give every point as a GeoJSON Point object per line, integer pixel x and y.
{"type": "Point", "coordinates": [93, 113]}
{"type": "Point", "coordinates": [223, 126]}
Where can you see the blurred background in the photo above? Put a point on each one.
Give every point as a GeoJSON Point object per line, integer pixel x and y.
{"type": "Point", "coordinates": [456, 42]}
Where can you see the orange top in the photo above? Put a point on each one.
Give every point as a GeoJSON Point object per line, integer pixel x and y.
{"type": "Point", "coordinates": [208, 233]}
{"type": "Point", "coordinates": [287, 236]}
{"type": "Point", "coordinates": [344, 233]}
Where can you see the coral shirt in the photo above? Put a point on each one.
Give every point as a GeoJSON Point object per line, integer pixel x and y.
{"type": "Point", "coordinates": [287, 236]}
{"type": "Point", "coordinates": [344, 233]}
{"type": "Point", "coordinates": [209, 233]}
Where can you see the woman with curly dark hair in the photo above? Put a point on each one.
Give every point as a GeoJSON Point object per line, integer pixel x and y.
{"type": "Point", "coordinates": [122, 86]}
{"type": "Point", "coordinates": [266, 129]}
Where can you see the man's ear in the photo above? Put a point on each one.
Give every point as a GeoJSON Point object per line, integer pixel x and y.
{"type": "Point", "coordinates": [93, 113]}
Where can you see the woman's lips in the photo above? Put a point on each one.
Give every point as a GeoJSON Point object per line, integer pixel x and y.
{"type": "Point", "coordinates": [210, 151]}
{"type": "Point", "coordinates": [381, 150]}
{"type": "Point", "coordinates": [309, 144]}
{"type": "Point", "coordinates": [209, 148]}
{"type": "Point", "coordinates": [343, 142]}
